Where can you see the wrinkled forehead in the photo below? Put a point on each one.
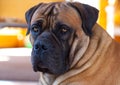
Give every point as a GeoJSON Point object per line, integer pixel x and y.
{"type": "Point", "coordinates": [61, 10]}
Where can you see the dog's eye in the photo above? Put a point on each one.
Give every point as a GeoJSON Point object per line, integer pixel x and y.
{"type": "Point", "coordinates": [35, 29]}
{"type": "Point", "coordinates": [64, 29]}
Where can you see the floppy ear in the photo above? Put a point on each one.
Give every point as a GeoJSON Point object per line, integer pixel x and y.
{"type": "Point", "coordinates": [89, 16]}
{"type": "Point", "coordinates": [28, 16]}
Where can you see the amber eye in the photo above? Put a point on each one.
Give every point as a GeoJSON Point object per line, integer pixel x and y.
{"type": "Point", "coordinates": [35, 29]}
{"type": "Point", "coordinates": [64, 30]}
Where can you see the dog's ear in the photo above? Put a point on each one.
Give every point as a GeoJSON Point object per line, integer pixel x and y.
{"type": "Point", "coordinates": [28, 16]}
{"type": "Point", "coordinates": [89, 16]}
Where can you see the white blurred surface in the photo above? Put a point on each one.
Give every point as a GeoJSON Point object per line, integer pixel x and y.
{"type": "Point", "coordinates": [15, 52]}
{"type": "Point", "coordinates": [17, 83]}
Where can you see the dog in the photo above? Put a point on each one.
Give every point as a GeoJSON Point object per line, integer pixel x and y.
{"type": "Point", "coordinates": [69, 47]}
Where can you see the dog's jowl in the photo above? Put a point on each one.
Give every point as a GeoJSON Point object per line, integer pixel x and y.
{"type": "Point", "coordinates": [69, 47]}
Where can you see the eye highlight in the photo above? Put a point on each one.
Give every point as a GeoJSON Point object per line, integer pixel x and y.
{"type": "Point", "coordinates": [35, 29]}
{"type": "Point", "coordinates": [64, 29]}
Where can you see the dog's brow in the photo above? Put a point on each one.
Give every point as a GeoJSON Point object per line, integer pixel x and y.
{"type": "Point", "coordinates": [38, 22]}
{"type": "Point", "coordinates": [49, 9]}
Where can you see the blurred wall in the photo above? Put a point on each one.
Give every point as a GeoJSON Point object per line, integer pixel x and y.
{"type": "Point", "coordinates": [17, 8]}
{"type": "Point", "coordinates": [102, 13]}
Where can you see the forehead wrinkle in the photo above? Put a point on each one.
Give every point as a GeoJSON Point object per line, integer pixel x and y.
{"type": "Point", "coordinates": [50, 8]}
{"type": "Point", "coordinates": [60, 12]}
{"type": "Point", "coordinates": [68, 14]}
{"type": "Point", "coordinates": [40, 12]}
{"type": "Point", "coordinates": [45, 9]}
{"type": "Point", "coordinates": [53, 8]}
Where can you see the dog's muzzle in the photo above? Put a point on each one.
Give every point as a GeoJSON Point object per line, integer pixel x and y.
{"type": "Point", "coordinates": [41, 49]}
{"type": "Point", "coordinates": [48, 55]}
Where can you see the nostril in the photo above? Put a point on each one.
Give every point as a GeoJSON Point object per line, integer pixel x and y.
{"type": "Point", "coordinates": [36, 47]}
{"type": "Point", "coordinates": [44, 47]}
{"type": "Point", "coordinates": [41, 47]}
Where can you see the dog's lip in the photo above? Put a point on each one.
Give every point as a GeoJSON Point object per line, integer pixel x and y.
{"type": "Point", "coordinates": [35, 68]}
{"type": "Point", "coordinates": [41, 68]}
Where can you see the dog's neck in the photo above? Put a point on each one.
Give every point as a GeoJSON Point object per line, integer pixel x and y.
{"type": "Point", "coordinates": [85, 59]}
{"type": "Point", "coordinates": [46, 79]}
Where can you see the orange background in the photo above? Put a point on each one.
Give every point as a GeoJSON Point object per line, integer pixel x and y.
{"type": "Point", "coordinates": [17, 8]}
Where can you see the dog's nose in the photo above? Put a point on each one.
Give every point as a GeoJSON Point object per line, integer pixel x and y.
{"type": "Point", "coordinates": [40, 46]}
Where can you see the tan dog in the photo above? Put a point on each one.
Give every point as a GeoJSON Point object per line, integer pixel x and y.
{"type": "Point", "coordinates": [70, 48]}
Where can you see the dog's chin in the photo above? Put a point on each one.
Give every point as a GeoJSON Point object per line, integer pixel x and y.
{"type": "Point", "coordinates": [38, 68]}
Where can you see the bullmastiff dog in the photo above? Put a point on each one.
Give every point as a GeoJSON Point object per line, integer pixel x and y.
{"type": "Point", "coordinates": [69, 47]}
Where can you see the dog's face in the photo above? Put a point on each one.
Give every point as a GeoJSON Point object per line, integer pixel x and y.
{"type": "Point", "coordinates": [53, 28]}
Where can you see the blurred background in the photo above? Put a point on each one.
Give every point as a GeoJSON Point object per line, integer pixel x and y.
{"type": "Point", "coordinates": [15, 47]}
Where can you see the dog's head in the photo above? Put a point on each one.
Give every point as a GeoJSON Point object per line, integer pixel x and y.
{"type": "Point", "coordinates": [53, 28]}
